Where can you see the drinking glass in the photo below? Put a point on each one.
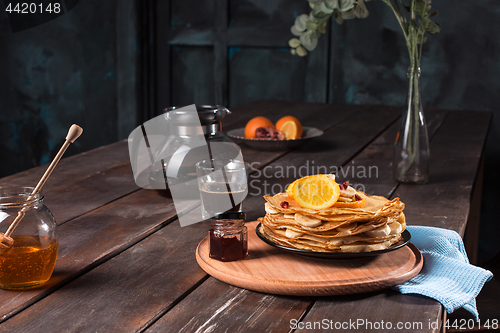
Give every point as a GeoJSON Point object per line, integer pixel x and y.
{"type": "Point", "coordinates": [222, 185]}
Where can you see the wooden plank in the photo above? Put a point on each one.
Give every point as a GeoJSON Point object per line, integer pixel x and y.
{"type": "Point", "coordinates": [127, 292]}
{"type": "Point", "coordinates": [380, 154]}
{"type": "Point", "coordinates": [344, 313]}
{"type": "Point", "coordinates": [324, 154]}
{"type": "Point", "coordinates": [96, 189]}
{"type": "Point", "coordinates": [69, 167]}
{"type": "Point", "coordinates": [321, 116]}
{"type": "Point", "coordinates": [93, 238]}
{"type": "Point", "coordinates": [379, 151]}
{"type": "Point", "coordinates": [138, 203]}
{"type": "Point", "coordinates": [347, 144]}
{"type": "Point", "coordinates": [92, 182]}
{"type": "Point", "coordinates": [371, 170]}
{"type": "Point", "coordinates": [414, 212]}
{"type": "Point", "coordinates": [395, 301]}
{"type": "Point", "coordinates": [231, 309]}
{"type": "Point", "coordinates": [455, 155]}
{"type": "Point", "coordinates": [72, 198]}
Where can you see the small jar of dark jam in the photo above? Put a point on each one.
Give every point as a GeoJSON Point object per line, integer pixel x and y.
{"type": "Point", "coordinates": [228, 237]}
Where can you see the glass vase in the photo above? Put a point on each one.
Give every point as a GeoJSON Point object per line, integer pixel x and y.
{"type": "Point", "coordinates": [411, 153]}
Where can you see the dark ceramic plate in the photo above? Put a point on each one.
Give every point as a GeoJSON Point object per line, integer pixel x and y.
{"type": "Point", "coordinates": [238, 135]}
{"type": "Point", "coordinates": [405, 239]}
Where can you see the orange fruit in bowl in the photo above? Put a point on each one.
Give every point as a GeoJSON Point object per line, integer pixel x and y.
{"type": "Point", "coordinates": [316, 192]}
{"type": "Point", "coordinates": [255, 123]}
{"type": "Point", "coordinates": [290, 126]}
{"type": "Point", "coordinates": [291, 131]}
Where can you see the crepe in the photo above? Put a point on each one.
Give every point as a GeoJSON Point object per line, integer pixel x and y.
{"type": "Point", "coordinates": [375, 226]}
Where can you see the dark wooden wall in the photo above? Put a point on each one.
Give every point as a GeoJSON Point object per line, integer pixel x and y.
{"type": "Point", "coordinates": [80, 68]}
{"type": "Point", "coordinates": [233, 52]}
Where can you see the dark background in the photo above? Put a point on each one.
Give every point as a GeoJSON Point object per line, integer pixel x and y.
{"type": "Point", "coordinates": [110, 65]}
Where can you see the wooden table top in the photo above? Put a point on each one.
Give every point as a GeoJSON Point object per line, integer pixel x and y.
{"type": "Point", "coordinates": [125, 264]}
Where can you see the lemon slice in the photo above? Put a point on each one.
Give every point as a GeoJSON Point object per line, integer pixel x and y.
{"type": "Point", "coordinates": [289, 189]}
{"type": "Point", "coordinates": [316, 192]}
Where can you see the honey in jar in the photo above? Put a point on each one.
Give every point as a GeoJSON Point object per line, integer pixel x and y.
{"type": "Point", "coordinates": [30, 261]}
{"type": "Point", "coordinates": [27, 263]}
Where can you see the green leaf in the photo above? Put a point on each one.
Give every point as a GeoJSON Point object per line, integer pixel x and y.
{"type": "Point", "coordinates": [338, 17]}
{"type": "Point", "coordinates": [295, 32]}
{"type": "Point", "coordinates": [429, 26]}
{"type": "Point", "coordinates": [346, 5]}
{"type": "Point", "coordinates": [420, 6]}
{"type": "Point", "coordinates": [311, 25]}
{"type": "Point", "coordinates": [332, 4]}
{"type": "Point", "coordinates": [322, 27]}
{"type": "Point", "coordinates": [300, 22]}
{"type": "Point", "coordinates": [309, 41]}
{"type": "Point", "coordinates": [349, 14]}
{"type": "Point", "coordinates": [433, 28]}
{"type": "Point", "coordinates": [293, 51]}
{"type": "Point", "coordinates": [360, 10]}
{"type": "Point", "coordinates": [294, 42]}
{"type": "Point", "coordinates": [301, 52]}
{"type": "Point", "coordinates": [421, 39]}
{"type": "Point", "coordinates": [432, 14]}
{"type": "Point", "coordinates": [313, 18]}
{"type": "Point", "coordinates": [325, 9]}
{"type": "Point", "coordinates": [315, 34]}
{"type": "Point", "coordinates": [317, 13]}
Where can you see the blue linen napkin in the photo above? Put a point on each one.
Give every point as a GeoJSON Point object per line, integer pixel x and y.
{"type": "Point", "coordinates": [446, 275]}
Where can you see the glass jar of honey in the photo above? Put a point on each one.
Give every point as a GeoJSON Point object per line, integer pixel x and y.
{"type": "Point", "coordinates": [29, 262]}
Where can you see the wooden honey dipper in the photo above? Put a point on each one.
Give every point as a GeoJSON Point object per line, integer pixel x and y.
{"type": "Point", "coordinates": [74, 132]}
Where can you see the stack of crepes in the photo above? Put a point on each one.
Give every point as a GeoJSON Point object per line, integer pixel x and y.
{"type": "Point", "coordinates": [375, 226]}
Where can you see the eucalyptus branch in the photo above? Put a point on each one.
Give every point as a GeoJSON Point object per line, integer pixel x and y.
{"type": "Point", "coordinates": [401, 22]}
{"type": "Point", "coordinates": [308, 28]}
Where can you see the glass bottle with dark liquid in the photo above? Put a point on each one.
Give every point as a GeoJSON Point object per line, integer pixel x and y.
{"type": "Point", "coordinates": [223, 186]}
{"type": "Point", "coordinates": [228, 237]}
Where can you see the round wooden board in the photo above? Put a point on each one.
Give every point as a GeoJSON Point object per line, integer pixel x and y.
{"type": "Point", "coordinates": [271, 270]}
